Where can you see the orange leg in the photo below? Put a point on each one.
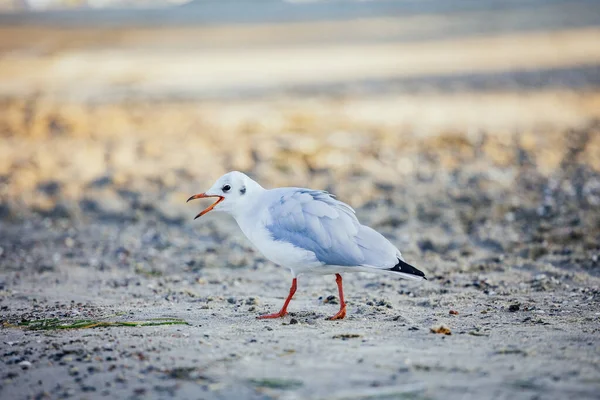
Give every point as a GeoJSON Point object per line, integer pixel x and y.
{"type": "Point", "coordinates": [342, 313]}
{"type": "Point", "coordinates": [283, 310]}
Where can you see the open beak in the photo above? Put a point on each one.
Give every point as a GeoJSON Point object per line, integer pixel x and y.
{"type": "Point", "coordinates": [203, 195]}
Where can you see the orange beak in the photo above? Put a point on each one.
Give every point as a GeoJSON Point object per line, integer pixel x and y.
{"type": "Point", "coordinates": [203, 195]}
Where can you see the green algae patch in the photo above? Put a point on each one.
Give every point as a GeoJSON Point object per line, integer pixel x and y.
{"type": "Point", "coordinates": [277, 383]}
{"type": "Point", "coordinates": [62, 324]}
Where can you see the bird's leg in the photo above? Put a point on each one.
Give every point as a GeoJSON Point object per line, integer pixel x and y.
{"type": "Point", "coordinates": [283, 310]}
{"type": "Point", "coordinates": [342, 313]}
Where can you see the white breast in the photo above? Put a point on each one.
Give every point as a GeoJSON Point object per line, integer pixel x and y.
{"type": "Point", "coordinates": [282, 253]}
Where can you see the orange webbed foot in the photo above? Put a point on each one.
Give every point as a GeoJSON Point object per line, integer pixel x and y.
{"type": "Point", "coordinates": [340, 315]}
{"type": "Point", "coordinates": [272, 316]}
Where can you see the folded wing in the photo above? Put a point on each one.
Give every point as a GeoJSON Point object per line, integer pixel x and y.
{"type": "Point", "coordinates": [315, 221]}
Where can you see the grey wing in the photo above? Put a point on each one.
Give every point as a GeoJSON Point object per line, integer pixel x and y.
{"type": "Point", "coordinates": [315, 221]}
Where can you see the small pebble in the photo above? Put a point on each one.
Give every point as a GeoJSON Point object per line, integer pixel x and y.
{"type": "Point", "coordinates": [139, 391]}
{"type": "Point", "coordinates": [25, 364]}
{"type": "Point", "coordinates": [441, 329]}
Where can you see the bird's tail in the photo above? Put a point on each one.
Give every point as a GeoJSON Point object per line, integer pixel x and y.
{"type": "Point", "coordinates": [407, 271]}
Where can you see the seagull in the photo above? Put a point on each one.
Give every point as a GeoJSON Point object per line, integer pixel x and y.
{"type": "Point", "coordinates": [307, 231]}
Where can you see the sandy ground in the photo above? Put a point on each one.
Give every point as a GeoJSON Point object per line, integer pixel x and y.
{"type": "Point", "coordinates": [507, 241]}
{"type": "Point", "coordinates": [487, 179]}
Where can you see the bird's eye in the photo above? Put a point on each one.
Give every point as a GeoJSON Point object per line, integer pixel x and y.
{"type": "Point", "coordinates": [226, 188]}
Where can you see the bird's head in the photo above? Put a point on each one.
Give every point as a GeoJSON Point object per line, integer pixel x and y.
{"type": "Point", "coordinates": [230, 190]}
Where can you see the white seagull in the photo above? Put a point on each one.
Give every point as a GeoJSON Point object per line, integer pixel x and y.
{"type": "Point", "coordinates": [307, 231]}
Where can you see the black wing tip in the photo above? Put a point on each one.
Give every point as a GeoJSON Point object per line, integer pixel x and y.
{"type": "Point", "coordinates": [406, 268]}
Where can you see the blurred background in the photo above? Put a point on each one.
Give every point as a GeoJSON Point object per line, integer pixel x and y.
{"type": "Point", "coordinates": [474, 111]}
{"type": "Point", "coordinates": [114, 106]}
